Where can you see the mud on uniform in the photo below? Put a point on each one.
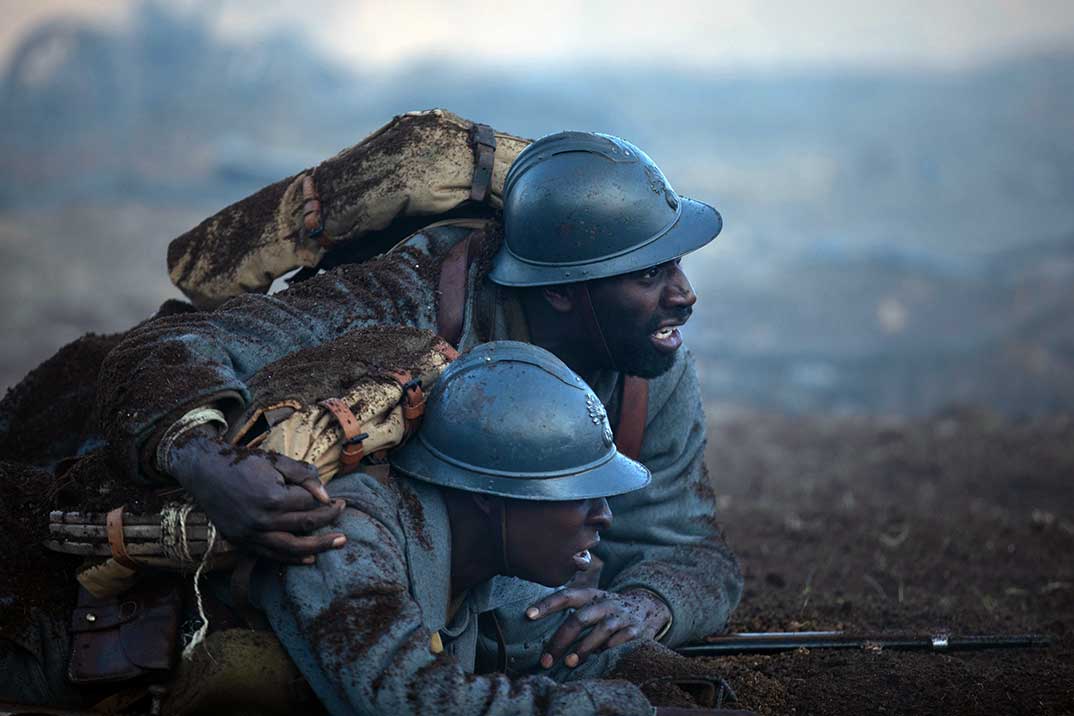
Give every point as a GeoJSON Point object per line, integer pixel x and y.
{"type": "Point", "coordinates": [359, 622]}
{"type": "Point", "coordinates": [664, 538]}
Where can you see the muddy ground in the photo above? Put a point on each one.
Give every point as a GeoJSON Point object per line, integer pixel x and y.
{"type": "Point", "coordinates": [963, 522]}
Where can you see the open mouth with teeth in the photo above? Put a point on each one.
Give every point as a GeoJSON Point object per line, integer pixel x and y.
{"type": "Point", "coordinates": [667, 339]}
{"type": "Point", "coordinates": [582, 560]}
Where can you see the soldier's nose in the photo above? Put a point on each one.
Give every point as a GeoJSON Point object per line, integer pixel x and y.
{"type": "Point", "coordinates": [679, 292]}
{"type": "Point", "coordinates": [600, 514]}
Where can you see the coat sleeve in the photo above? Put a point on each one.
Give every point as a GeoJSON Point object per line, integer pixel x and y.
{"type": "Point", "coordinates": [351, 627]}
{"type": "Point", "coordinates": [665, 538]}
{"type": "Point", "coordinates": [167, 366]}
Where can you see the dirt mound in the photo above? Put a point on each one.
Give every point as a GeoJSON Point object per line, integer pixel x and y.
{"type": "Point", "coordinates": [963, 522]}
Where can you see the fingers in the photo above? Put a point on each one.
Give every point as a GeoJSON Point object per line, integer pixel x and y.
{"type": "Point", "coordinates": [306, 520]}
{"type": "Point", "coordinates": [288, 548]}
{"type": "Point", "coordinates": [293, 498]}
{"type": "Point", "coordinates": [571, 629]}
{"type": "Point", "coordinates": [595, 640]}
{"type": "Point", "coordinates": [303, 474]}
{"type": "Point", "coordinates": [622, 636]}
{"type": "Point", "coordinates": [563, 599]}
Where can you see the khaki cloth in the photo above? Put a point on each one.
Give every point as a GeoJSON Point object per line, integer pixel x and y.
{"type": "Point", "coordinates": [421, 164]}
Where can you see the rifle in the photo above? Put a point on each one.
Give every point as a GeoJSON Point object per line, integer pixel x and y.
{"type": "Point", "coordinates": [773, 642]}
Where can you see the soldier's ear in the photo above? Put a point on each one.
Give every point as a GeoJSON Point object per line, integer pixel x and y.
{"type": "Point", "coordinates": [560, 297]}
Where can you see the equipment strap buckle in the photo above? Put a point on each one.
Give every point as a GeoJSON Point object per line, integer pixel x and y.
{"type": "Point", "coordinates": [312, 216]}
{"type": "Point", "coordinates": [483, 140]}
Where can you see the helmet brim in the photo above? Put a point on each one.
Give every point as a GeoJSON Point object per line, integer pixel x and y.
{"type": "Point", "coordinates": [697, 225]}
{"type": "Point", "coordinates": [616, 476]}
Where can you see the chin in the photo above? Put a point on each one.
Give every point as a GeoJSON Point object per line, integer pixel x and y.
{"type": "Point", "coordinates": [645, 363]}
{"type": "Point", "coordinates": [550, 578]}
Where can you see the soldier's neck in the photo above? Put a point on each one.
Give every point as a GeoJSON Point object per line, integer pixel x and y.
{"type": "Point", "coordinates": [559, 334]}
{"type": "Point", "coordinates": [474, 558]}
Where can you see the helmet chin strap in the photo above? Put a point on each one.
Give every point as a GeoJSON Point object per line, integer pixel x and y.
{"type": "Point", "coordinates": [589, 315]}
{"type": "Point", "coordinates": [498, 518]}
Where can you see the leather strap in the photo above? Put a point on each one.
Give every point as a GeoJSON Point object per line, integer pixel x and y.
{"type": "Point", "coordinates": [380, 471]}
{"type": "Point", "coordinates": [451, 307]}
{"type": "Point", "coordinates": [589, 315]}
{"type": "Point", "coordinates": [445, 349]}
{"type": "Point", "coordinates": [483, 140]}
{"type": "Point", "coordinates": [413, 400]}
{"type": "Point", "coordinates": [240, 589]}
{"type": "Point", "coordinates": [312, 219]}
{"type": "Point", "coordinates": [114, 529]}
{"type": "Point", "coordinates": [352, 451]}
{"type": "Point", "coordinates": [633, 408]}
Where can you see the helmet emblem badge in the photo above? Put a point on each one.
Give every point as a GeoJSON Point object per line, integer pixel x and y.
{"type": "Point", "coordinates": [599, 417]}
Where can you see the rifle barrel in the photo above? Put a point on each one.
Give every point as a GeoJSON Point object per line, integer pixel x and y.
{"type": "Point", "coordinates": [773, 642]}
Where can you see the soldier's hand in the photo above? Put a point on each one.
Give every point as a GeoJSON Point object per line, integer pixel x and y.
{"type": "Point", "coordinates": [614, 618]}
{"type": "Point", "coordinates": [259, 501]}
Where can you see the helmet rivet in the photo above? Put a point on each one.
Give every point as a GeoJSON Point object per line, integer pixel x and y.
{"type": "Point", "coordinates": [673, 201]}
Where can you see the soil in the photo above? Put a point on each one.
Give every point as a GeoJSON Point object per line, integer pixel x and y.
{"type": "Point", "coordinates": [332, 368]}
{"type": "Point", "coordinates": [31, 578]}
{"type": "Point", "coordinates": [963, 522]}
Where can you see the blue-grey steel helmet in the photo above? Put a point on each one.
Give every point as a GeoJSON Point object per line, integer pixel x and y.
{"type": "Point", "coordinates": [582, 205]}
{"type": "Point", "coordinates": [511, 419]}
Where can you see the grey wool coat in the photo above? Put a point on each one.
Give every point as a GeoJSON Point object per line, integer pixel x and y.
{"type": "Point", "coordinates": [359, 623]}
{"type": "Point", "coordinates": [664, 538]}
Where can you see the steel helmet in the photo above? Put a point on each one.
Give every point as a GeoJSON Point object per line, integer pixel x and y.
{"type": "Point", "coordinates": [583, 205]}
{"type": "Point", "coordinates": [511, 419]}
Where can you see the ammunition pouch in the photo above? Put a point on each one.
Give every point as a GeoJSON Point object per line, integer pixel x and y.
{"type": "Point", "coordinates": [127, 636]}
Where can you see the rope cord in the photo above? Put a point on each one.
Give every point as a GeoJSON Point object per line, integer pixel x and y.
{"type": "Point", "coordinates": [176, 545]}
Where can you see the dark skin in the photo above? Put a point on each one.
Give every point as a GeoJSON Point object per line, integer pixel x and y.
{"type": "Point", "coordinates": [556, 321]}
{"type": "Point", "coordinates": [271, 500]}
{"type": "Point", "coordinates": [270, 506]}
{"type": "Point", "coordinates": [558, 529]}
{"type": "Point", "coordinates": [541, 537]}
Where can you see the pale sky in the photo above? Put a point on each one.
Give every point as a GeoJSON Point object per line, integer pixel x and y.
{"type": "Point", "coordinates": [768, 33]}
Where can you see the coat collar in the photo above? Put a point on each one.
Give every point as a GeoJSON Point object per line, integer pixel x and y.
{"type": "Point", "coordinates": [427, 529]}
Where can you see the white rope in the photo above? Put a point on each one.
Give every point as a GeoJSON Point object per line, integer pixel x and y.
{"type": "Point", "coordinates": [199, 635]}
{"type": "Point", "coordinates": [173, 539]}
{"type": "Point", "coordinates": [196, 417]}
{"type": "Point", "coordinates": [176, 545]}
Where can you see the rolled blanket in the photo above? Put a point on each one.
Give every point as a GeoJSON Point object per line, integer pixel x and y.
{"type": "Point", "coordinates": [421, 164]}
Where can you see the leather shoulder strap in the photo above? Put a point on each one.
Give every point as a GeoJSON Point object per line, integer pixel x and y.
{"type": "Point", "coordinates": [483, 141]}
{"type": "Point", "coordinates": [454, 270]}
{"type": "Point", "coordinates": [633, 408]}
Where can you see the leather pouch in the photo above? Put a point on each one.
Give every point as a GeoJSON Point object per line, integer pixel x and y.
{"type": "Point", "coordinates": [127, 636]}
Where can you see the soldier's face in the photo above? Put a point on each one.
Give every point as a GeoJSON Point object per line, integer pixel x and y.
{"type": "Point", "coordinates": [640, 314]}
{"type": "Point", "coordinates": [548, 542]}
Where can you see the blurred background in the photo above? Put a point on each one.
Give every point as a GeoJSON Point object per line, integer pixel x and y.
{"type": "Point", "coordinates": [896, 179]}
